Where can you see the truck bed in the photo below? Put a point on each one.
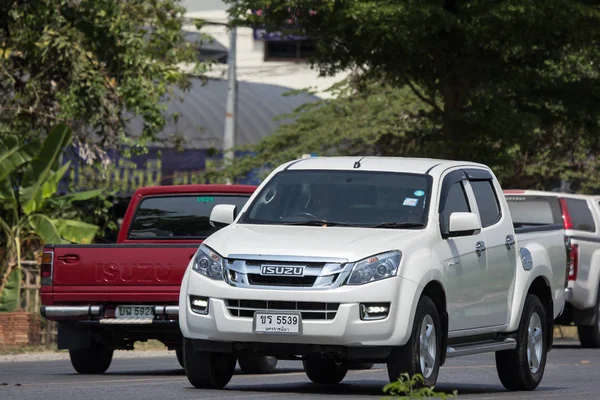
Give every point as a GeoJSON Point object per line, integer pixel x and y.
{"type": "Point", "coordinates": [123, 273]}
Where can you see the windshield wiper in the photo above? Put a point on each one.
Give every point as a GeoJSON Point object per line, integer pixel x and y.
{"type": "Point", "coordinates": [399, 225]}
{"type": "Point", "coordinates": [316, 222]}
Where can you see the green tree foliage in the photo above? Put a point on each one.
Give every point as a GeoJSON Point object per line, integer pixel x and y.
{"type": "Point", "coordinates": [514, 84]}
{"type": "Point", "coordinates": [28, 185]}
{"type": "Point", "coordinates": [92, 64]}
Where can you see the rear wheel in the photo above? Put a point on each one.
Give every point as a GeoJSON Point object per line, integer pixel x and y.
{"type": "Point", "coordinates": [207, 370]}
{"type": "Point", "coordinates": [589, 336]}
{"type": "Point", "coordinates": [421, 355]}
{"type": "Point", "coordinates": [523, 367]}
{"type": "Point", "coordinates": [256, 363]}
{"type": "Point", "coordinates": [93, 360]}
{"type": "Point", "coordinates": [320, 370]}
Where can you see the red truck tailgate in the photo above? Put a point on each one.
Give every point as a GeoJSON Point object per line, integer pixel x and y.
{"type": "Point", "coordinates": [141, 272]}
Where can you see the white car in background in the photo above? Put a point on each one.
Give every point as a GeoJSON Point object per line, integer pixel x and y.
{"type": "Point", "coordinates": [580, 217]}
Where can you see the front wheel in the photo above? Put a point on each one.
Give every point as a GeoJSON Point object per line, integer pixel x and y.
{"type": "Point", "coordinates": [93, 360]}
{"type": "Point", "coordinates": [320, 370]}
{"type": "Point", "coordinates": [523, 367]}
{"type": "Point", "coordinates": [422, 353]}
{"type": "Point", "coordinates": [206, 370]}
{"type": "Point", "coordinates": [179, 354]}
{"type": "Point", "coordinates": [257, 364]}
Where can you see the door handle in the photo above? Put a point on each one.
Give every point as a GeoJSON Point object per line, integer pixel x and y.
{"type": "Point", "coordinates": [510, 241]}
{"type": "Point", "coordinates": [480, 248]}
{"type": "Point", "coordinates": [69, 258]}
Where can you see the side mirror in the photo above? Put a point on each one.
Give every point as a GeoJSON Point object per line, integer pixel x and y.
{"type": "Point", "coordinates": [464, 224]}
{"type": "Point", "coordinates": [223, 214]}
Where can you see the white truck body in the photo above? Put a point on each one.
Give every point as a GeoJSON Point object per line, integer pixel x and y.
{"type": "Point", "coordinates": [355, 282]}
{"type": "Point", "coordinates": [580, 217]}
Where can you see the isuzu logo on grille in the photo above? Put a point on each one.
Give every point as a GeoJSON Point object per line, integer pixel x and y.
{"type": "Point", "coordinates": [281, 270]}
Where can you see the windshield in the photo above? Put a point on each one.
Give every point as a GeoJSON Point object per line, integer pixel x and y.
{"type": "Point", "coordinates": [355, 198]}
{"type": "Point", "coordinates": [179, 217]}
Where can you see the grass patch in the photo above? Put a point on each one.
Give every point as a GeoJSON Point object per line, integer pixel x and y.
{"type": "Point", "coordinates": [12, 350]}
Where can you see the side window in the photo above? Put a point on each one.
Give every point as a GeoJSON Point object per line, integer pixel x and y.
{"type": "Point", "coordinates": [487, 202]}
{"type": "Point", "coordinates": [581, 216]}
{"type": "Point", "coordinates": [456, 201]}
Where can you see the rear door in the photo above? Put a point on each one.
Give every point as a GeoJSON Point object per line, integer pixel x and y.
{"type": "Point", "coordinates": [500, 246]}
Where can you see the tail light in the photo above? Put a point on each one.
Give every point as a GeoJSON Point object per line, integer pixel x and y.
{"type": "Point", "coordinates": [567, 220]}
{"type": "Point", "coordinates": [46, 269]}
{"type": "Point", "coordinates": [574, 262]}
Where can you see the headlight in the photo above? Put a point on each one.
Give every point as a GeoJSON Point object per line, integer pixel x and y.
{"type": "Point", "coordinates": [208, 263]}
{"type": "Point", "coordinates": [375, 268]}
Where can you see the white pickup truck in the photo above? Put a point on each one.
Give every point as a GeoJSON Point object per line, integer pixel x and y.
{"type": "Point", "coordinates": [347, 260]}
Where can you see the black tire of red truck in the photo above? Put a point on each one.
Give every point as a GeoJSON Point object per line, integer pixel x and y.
{"type": "Point", "coordinates": [257, 364]}
{"type": "Point", "coordinates": [93, 360]}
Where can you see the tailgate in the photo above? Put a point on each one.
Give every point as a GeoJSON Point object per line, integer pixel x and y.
{"type": "Point", "coordinates": [121, 265]}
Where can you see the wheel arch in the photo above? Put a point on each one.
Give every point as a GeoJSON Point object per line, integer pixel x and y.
{"type": "Point", "coordinates": [435, 291]}
{"type": "Point", "coordinates": [541, 288]}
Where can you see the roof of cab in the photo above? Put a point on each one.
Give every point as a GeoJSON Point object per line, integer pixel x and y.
{"type": "Point", "coordinates": [386, 164]}
{"type": "Point", "coordinates": [183, 189]}
{"type": "Point", "coordinates": [525, 192]}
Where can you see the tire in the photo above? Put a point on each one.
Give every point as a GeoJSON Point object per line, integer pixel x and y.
{"type": "Point", "coordinates": [179, 354]}
{"type": "Point", "coordinates": [206, 370]}
{"type": "Point", "coordinates": [93, 360]}
{"type": "Point", "coordinates": [589, 335]}
{"type": "Point", "coordinates": [356, 366]}
{"type": "Point", "coordinates": [320, 370]}
{"type": "Point", "coordinates": [414, 358]}
{"type": "Point", "coordinates": [518, 369]}
{"type": "Point", "coordinates": [256, 363]}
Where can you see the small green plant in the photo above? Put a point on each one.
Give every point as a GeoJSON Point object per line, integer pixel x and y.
{"type": "Point", "coordinates": [410, 388]}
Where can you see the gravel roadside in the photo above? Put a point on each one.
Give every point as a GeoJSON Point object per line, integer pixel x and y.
{"type": "Point", "coordinates": [64, 355]}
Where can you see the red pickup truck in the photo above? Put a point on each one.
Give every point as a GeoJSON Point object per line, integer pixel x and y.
{"type": "Point", "coordinates": [107, 297]}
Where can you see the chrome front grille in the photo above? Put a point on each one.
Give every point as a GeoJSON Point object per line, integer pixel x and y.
{"type": "Point", "coordinates": [317, 273]}
{"type": "Point", "coordinates": [309, 310]}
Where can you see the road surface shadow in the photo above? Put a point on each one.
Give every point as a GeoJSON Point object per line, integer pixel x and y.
{"type": "Point", "coordinates": [367, 387]}
{"type": "Point", "coordinates": [174, 372]}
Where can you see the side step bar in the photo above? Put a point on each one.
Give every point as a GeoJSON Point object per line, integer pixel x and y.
{"type": "Point", "coordinates": [480, 347]}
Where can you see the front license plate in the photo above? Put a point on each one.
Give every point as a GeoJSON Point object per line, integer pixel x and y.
{"type": "Point", "coordinates": [141, 312]}
{"type": "Point", "coordinates": [274, 322]}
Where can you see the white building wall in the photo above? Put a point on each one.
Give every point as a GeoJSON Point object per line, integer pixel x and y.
{"type": "Point", "coordinates": [251, 66]}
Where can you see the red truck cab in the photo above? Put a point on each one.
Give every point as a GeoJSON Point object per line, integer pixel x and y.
{"type": "Point", "coordinates": [106, 297]}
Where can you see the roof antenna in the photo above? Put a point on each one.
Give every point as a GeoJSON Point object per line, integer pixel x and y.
{"type": "Point", "coordinates": [357, 163]}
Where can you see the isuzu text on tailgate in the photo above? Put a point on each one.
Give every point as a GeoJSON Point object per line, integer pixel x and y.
{"type": "Point", "coordinates": [396, 260]}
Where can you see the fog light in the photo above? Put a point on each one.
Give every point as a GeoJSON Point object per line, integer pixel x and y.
{"type": "Point", "coordinates": [199, 305]}
{"type": "Point", "coordinates": [374, 311]}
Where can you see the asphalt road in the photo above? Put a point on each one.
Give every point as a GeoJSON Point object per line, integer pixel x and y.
{"type": "Point", "coordinates": [571, 372]}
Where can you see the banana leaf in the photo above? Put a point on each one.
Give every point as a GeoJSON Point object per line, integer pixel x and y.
{"type": "Point", "coordinates": [40, 169]}
{"type": "Point", "coordinates": [10, 296]}
{"type": "Point", "coordinates": [12, 156]}
{"type": "Point", "coordinates": [75, 231]}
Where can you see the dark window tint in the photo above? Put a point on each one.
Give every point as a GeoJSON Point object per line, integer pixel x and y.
{"type": "Point", "coordinates": [361, 198]}
{"type": "Point", "coordinates": [178, 217]}
{"type": "Point", "coordinates": [581, 216]}
{"type": "Point", "coordinates": [487, 202]}
{"type": "Point", "coordinates": [456, 201]}
{"type": "Point", "coordinates": [527, 211]}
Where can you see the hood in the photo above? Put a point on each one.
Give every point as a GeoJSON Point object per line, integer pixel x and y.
{"type": "Point", "coordinates": [349, 243]}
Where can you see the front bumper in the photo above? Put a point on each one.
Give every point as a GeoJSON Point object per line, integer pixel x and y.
{"type": "Point", "coordinates": [344, 329]}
